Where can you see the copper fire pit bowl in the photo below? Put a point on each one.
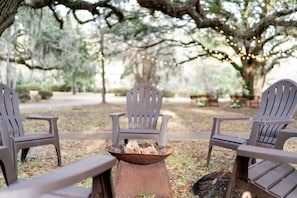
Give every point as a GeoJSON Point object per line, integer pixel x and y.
{"type": "Point", "coordinates": [137, 158]}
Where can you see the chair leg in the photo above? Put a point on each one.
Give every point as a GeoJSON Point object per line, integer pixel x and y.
{"type": "Point", "coordinates": [102, 185]}
{"type": "Point", "coordinates": [239, 176]}
{"type": "Point", "coordinates": [115, 138]}
{"type": "Point", "coordinates": [58, 151]}
{"type": "Point", "coordinates": [24, 153]}
{"type": "Point", "coordinates": [162, 141]}
{"type": "Point", "coordinates": [208, 155]}
{"type": "Point", "coordinates": [125, 141]}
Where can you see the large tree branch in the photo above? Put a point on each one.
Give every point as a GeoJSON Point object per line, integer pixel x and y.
{"type": "Point", "coordinates": [194, 10]}
{"type": "Point", "coordinates": [273, 19]}
{"type": "Point", "coordinates": [79, 5]}
{"type": "Point", "coordinates": [165, 6]}
{"type": "Point", "coordinates": [8, 10]}
{"type": "Point", "coordinates": [23, 61]}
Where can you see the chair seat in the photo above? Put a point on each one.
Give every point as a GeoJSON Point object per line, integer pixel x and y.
{"type": "Point", "coordinates": [274, 175]}
{"type": "Point", "coordinates": [228, 138]}
{"type": "Point", "coordinates": [279, 179]}
{"type": "Point", "coordinates": [33, 137]}
{"type": "Point", "coordinates": [142, 131]}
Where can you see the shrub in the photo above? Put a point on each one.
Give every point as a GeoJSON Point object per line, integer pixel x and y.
{"type": "Point", "coordinates": [62, 88]}
{"type": "Point", "coordinates": [202, 103]}
{"type": "Point", "coordinates": [235, 104]}
{"type": "Point", "coordinates": [119, 91]}
{"type": "Point", "coordinates": [34, 86]}
{"type": "Point", "coordinates": [45, 94]}
{"type": "Point", "coordinates": [168, 93]}
{"type": "Point", "coordinates": [24, 93]}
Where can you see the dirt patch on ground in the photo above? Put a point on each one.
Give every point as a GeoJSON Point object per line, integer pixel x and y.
{"type": "Point", "coordinates": [189, 118]}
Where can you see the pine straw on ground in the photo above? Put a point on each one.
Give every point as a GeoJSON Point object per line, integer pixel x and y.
{"type": "Point", "coordinates": [186, 165]}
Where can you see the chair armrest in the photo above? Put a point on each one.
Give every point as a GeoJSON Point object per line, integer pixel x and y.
{"type": "Point", "coordinates": [41, 117]}
{"type": "Point", "coordinates": [117, 114]}
{"type": "Point", "coordinates": [216, 127]}
{"type": "Point", "coordinates": [166, 116]}
{"type": "Point", "coordinates": [283, 136]}
{"type": "Point", "coordinates": [267, 154]}
{"type": "Point", "coordinates": [164, 122]}
{"type": "Point", "coordinates": [224, 118]}
{"type": "Point", "coordinates": [61, 177]}
{"type": "Point", "coordinates": [262, 122]}
{"type": "Point", "coordinates": [163, 129]}
{"type": "Point", "coordinates": [52, 120]}
{"type": "Point", "coordinates": [116, 120]}
{"type": "Point", "coordinates": [115, 126]}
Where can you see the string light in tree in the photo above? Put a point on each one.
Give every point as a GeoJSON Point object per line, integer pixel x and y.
{"type": "Point", "coordinates": [153, 59]}
{"type": "Point", "coordinates": [249, 56]}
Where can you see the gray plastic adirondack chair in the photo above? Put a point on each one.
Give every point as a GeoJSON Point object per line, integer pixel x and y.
{"type": "Point", "coordinates": [58, 182]}
{"type": "Point", "coordinates": [274, 176]}
{"type": "Point", "coordinates": [10, 113]}
{"type": "Point", "coordinates": [143, 111]}
{"type": "Point", "coordinates": [278, 105]}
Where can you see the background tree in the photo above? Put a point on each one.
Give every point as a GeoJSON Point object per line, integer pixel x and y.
{"type": "Point", "coordinates": [35, 40]}
{"type": "Point", "coordinates": [8, 10]}
{"type": "Point", "coordinates": [102, 58]}
{"type": "Point", "coordinates": [39, 44]}
{"type": "Point", "coordinates": [138, 33]}
{"type": "Point", "coordinates": [259, 33]}
{"type": "Point", "coordinates": [145, 60]}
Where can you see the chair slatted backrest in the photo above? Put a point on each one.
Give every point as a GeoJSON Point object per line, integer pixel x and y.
{"type": "Point", "coordinates": [143, 106]}
{"type": "Point", "coordinates": [9, 111]}
{"type": "Point", "coordinates": [278, 102]}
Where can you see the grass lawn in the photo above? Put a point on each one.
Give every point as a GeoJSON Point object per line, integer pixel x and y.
{"type": "Point", "coordinates": [186, 165]}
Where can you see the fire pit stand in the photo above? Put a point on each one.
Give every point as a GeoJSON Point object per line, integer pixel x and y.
{"type": "Point", "coordinates": [141, 174]}
{"type": "Point", "coordinates": [132, 180]}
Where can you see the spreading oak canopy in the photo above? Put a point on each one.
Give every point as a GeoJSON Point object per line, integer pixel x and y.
{"type": "Point", "coordinates": [260, 32]}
